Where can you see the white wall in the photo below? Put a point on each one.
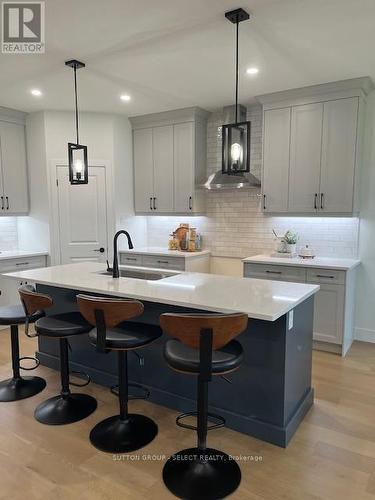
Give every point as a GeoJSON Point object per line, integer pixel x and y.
{"type": "Point", "coordinates": [365, 315]}
{"type": "Point", "coordinates": [108, 138]}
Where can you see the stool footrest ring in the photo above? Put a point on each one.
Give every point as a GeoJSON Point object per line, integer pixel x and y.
{"type": "Point", "coordinates": [30, 358]}
{"type": "Point", "coordinates": [145, 393]}
{"type": "Point", "coordinates": [85, 376]}
{"type": "Point", "coordinates": [218, 421]}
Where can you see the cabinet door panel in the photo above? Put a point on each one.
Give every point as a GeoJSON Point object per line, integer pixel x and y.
{"type": "Point", "coordinates": [338, 155]}
{"type": "Point", "coordinates": [143, 170]}
{"type": "Point", "coordinates": [163, 168]}
{"type": "Point", "coordinates": [14, 169]}
{"type": "Point", "coordinates": [276, 159]}
{"type": "Point", "coordinates": [329, 313]}
{"type": "Point", "coordinates": [184, 167]}
{"type": "Point", "coordinates": [305, 155]}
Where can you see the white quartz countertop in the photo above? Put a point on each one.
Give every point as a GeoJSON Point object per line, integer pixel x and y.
{"type": "Point", "coordinates": [259, 299]}
{"type": "Point", "coordinates": [320, 262]}
{"type": "Point", "coordinates": [165, 252]}
{"type": "Point", "coordinates": [16, 254]}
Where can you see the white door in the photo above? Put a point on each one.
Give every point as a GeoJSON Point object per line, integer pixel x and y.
{"type": "Point", "coordinates": [162, 138]}
{"type": "Point", "coordinates": [338, 155]}
{"type": "Point", "coordinates": [143, 170]}
{"type": "Point", "coordinates": [276, 160]}
{"type": "Point", "coordinates": [82, 211]}
{"type": "Point", "coordinates": [305, 155]}
{"type": "Point", "coordinates": [13, 161]}
{"type": "Point", "coordinates": [184, 167]}
{"type": "Point", "coordinates": [329, 313]}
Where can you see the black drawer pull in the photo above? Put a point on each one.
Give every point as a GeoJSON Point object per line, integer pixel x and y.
{"type": "Point", "coordinates": [131, 258]}
{"type": "Point", "coordinates": [325, 276]}
{"type": "Point", "coordinates": [274, 272]}
{"type": "Point", "coordinates": [162, 261]}
{"type": "Point", "coordinates": [22, 263]}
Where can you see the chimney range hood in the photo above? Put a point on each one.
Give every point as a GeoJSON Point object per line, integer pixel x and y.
{"type": "Point", "coordinates": [221, 180]}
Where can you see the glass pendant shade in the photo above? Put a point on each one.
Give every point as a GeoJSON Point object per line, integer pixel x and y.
{"type": "Point", "coordinates": [78, 164]}
{"type": "Point", "coordinates": [236, 148]}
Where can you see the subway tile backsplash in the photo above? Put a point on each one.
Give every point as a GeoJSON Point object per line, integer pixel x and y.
{"type": "Point", "coordinates": [8, 233]}
{"type": "Point", "coordinates": [235, 225]}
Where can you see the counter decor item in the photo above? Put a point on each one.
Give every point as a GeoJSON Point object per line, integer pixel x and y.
{"type": "Point", "coordinates": [291, 239]}
{"type": "Point", "coordinates": [186, 239]}
{"type": "Point", "coordinates": [286, 244]}
{"type": "Point", "coordinates": [306, 252]}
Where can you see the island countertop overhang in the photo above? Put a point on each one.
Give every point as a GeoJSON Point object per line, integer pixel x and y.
{"type": "Point", "coordinates": [259, 299]}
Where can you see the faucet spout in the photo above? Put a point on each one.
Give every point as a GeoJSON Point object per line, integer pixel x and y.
{"type": "Point", "coordinates": [115, 268]}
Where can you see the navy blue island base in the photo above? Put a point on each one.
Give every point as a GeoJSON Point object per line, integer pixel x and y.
{"type": "Point", "coordinates": [267, 397]}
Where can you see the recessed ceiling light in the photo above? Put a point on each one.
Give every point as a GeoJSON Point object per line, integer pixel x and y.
{"type": "Point", "coordinates": [252, 71]}
{"type": "Point", "coordinates": [125, 97]}
{"type": "Point", "coordinates": [36, 92]}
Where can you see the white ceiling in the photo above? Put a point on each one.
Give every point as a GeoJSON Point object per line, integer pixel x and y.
{"type": "Point", "coordinates": [170, 54]}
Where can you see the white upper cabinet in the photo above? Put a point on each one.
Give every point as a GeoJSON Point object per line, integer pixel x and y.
{"type": "Point", "coordinates": [305, 153]}
{"type": "Point", "coordinates": [143, 170]}
{"type": "Point", "coordinates": [338, 155]}
{"type": "Point", "coordinates": [162, 138]}
{"type": "Point", "coordinates": [14, 199]}
{"type": "Point", "coordinates": [276, 153]}
{"type": "Point", "coordinates": [312, 146]}
{"type": "Point", "coordinates": [184, 166]}
{"type": "Point", "coordinates": [170, 161]}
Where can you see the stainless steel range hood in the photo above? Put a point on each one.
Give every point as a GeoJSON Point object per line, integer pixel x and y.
{"type": "Point", "coordinates": [219, 180]}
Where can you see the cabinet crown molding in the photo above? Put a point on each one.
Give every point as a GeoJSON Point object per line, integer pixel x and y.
{"type": "Point", "coordinates": [169, 117]}
{"type": "Point", "coordinates": [355, 87]}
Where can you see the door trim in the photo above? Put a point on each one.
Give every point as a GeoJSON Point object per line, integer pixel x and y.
{"type": "Point", "coordinates": [54, 216]}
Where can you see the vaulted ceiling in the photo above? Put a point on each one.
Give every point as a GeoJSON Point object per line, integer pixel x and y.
{"type": "Point", "coordinates": [169, 54]}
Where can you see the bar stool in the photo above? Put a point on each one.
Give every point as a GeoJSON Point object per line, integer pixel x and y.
{"type": "Point", "coordinates": [67, 407]}
{"type": "Point", "coordinates": [127, 431]}
{"type": "Point", "coordinates": [202, 345]}
{"type": "Point", "coordinates": [18, 387]}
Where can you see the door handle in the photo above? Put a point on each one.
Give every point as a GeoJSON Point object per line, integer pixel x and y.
{"type": "Point", "coordinates": [316, 201]}
{"type": "Point", "coordinates": [154, 203]}
{"type": "Point", "coordinates": [101, 250]}
{"type": "Point", "coordinates": [322, 201]}
{"type": "Point", "coordinates": [7, 202]}
{"type": "Point", "coordinates": [150, 203]}
{"type": "Point", "coordinates": [2, 202]}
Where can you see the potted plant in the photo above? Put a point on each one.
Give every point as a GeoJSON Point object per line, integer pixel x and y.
{"type": "Point", "coordinates": [290, 239]}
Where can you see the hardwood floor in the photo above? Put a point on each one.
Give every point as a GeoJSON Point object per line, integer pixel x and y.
{"type": "Point", "coordinates": [331, 457]}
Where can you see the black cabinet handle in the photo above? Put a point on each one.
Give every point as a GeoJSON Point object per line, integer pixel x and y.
{"type": "Point", "coordinates": [101, 250]}
{"type": "Point", "coordinates": [322, 201]}
{"type": "Point", "coordinates": [190, 203]}
{"type": "Point", "coordinates": [162, 261]}
{"type": "Point", "coordinates": [316, 201]}
{"type": "Point", "coordinates": [325, 276]}
{"type": "Point", "coordinates": [22, 263]}
{"type": "Point", "coordinates": [7, 202]}
{"type": "Point", "coordinates": [131, 258]}
{"type": "Point", "coordinates": [150, 203]}
{"type": "Point", "coordinates": [2, 202]}
{"type": "Point", "coordinates": [154, 203]}
{"type": "Point", "coordinates": [264, 202]}
{"type": "Point", "coordinates": [274, 272]}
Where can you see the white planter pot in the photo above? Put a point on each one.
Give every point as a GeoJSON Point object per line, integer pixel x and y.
{"type": "Point", "coordinates": [291, 248]}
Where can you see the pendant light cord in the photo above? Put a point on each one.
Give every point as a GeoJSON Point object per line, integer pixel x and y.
{"type": "Point", "coordinates": [76, 101]}
{"type": "Point", "coordinates": [237, 24]}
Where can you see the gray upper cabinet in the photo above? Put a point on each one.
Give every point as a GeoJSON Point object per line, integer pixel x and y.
{"type": "Point", "coordinates": [170, 161]}
{"type": "Point", "coordinates": [312, 149]}
{"type": "Point", "coordinates": [14, 199]}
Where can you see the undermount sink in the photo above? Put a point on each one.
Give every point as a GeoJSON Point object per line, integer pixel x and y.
{"type": "Point", "coordinates": [141, 275]}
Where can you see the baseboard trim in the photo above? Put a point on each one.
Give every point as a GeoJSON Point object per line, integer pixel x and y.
{"type": "Point", "coordinates": [364, 335]}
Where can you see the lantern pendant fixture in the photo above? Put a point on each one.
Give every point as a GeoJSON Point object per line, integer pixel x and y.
{"type": "Point", "coordinates": [236, 136]}
{"type": "Point", "coordinates": [77, 153]}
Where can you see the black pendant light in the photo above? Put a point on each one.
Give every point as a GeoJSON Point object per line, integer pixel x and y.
{"type": "Point", "coordinates": [236, 136]}
{"type": "Point", "coordinates": [77, 153]}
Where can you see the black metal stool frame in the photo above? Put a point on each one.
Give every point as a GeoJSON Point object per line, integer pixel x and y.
{"type": "Point", "coordinates": [185, 473]}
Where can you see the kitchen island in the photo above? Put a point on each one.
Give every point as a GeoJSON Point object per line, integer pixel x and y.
{"type": "Point", "coordinates": [266, 398]}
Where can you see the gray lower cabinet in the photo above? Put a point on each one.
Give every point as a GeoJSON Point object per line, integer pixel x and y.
{"type": "Point", "coordinates": [197, 262]}
{"type": "Point", "coordinates": [334, 303]}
